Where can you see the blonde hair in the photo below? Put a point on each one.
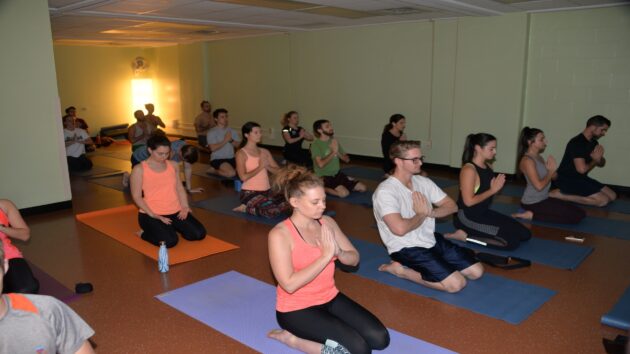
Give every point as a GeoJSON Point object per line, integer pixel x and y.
{"type": "Point", "coordinates": [293, 179]}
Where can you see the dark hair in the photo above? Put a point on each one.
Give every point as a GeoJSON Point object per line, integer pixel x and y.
{"type": "Point", "coordinates": [69, 108]}
{"type": "Point", "coordinates": [395, 118]}
{"type": "Point", "coordinates": [218, 111]}
{"type": "Point", "coordinates": [246, 129]}
{"type": "Point", "coordinates": [399, 148]}
{"type": "Point", "coordinates": [146, 105]}
{"type": "Point", "coordinates": [63, 119]}
{"type": "Point", "coordinates": [203, 102]}
{"type": "Point", "coordinates": [481, 139]}
{"type": "Point", "coordinates": [318, 125]}
{"type": "Point", "coordinates": [527, 136]}
{"type": "Point", "coordinates": [156, 140]}
{"type": "Point", "coordinates": [285, 118]}
{"type": "Point", "coordinates": [291, 181]}
{"type": "Point", "coordinates": [138, 112]}
{"type": "Point", "coordinates": [190, 154]}
{"type": "Point", "coordinates": [598, 121]}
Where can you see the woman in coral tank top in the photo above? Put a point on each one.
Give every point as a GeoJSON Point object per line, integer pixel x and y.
{"type": "Point", "coordinates": [253, 165]}
{"type": "Point", "coordinates": [160, 195]}
{"type": "Point", "coordinates": [315, 317]}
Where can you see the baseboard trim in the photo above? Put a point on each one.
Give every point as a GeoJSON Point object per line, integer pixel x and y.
{"type": "Point", "coordinates": [47, 208]}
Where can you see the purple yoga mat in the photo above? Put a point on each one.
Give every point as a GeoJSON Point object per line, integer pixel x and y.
{"type": "Point", "coordinates": [50, 286]}
{"type": "Point", "coordinates": [243, 308]}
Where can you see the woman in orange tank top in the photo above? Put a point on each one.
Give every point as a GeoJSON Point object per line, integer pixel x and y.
{"type": "Point", "coordinates": [314, 316]}
{"type": "Point", "coordinates": [253, 165]}
{"type": "Point", "coordinates": [19, 277]}
{"type": "Point", "coordinates": [158, 192]}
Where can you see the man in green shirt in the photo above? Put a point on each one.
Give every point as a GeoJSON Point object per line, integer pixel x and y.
{"type": "Point", "coordinates": [326, 153]}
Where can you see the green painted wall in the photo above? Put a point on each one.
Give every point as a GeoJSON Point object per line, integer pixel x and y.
{"type": "Point", "coordinates": [33, 154]}
{"type": "Point", "coordinates": [579, 67]}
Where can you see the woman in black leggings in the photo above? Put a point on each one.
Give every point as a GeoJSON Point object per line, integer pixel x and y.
{"type": "Point", "coordinates": [477, 185]}
{"type": "Point", "coordinates": [315, 317]}
{"type": "Point", "coordinates": [19, 277]}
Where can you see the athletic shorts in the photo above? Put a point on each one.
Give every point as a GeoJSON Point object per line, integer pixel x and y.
{"type": "Point", "coordinates": [217, 163]}
{"type": "Point", "coordinates": [340, 179]}
{"type": "Point", "coordinates": [435, 263]}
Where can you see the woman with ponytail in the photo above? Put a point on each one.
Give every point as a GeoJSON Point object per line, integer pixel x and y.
{"type": "Point", "coordinates": [253, 165]}
{"type": "Point", "coordinates": [475, 221]}
{"type": "Point", "coordinates": [392, 132]}
{"type": "Point", "coordinates": [314, 316]}
{"type": "Point", "coordinates": [538, 174]}
{"type": "Point", "coordinates": [293, 136]}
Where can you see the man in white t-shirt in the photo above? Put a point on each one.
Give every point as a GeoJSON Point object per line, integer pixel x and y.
{"type": "Point", "coordinates": [405, 215]}
{"type": "Point", "coordinates": [76, 139]}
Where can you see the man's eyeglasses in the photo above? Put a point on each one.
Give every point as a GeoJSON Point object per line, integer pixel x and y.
{"type": "Point", "coordinates": [413, 159]}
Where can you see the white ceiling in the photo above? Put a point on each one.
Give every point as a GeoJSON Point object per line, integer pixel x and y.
{"type": "Point", "coordinates": [168, 22]}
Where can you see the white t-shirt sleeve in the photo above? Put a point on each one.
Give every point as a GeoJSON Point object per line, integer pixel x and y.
{"type": "Point", "coordinates": [83, 134]}
{"type": "Point", "coordinates": [386, 202]}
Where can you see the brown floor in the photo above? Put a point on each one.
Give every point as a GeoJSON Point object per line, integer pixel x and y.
{"type": "Point", "coordinates": [128, 319]}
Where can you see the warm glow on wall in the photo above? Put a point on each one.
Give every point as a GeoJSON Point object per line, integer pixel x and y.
{"type": "Point", "coordinates": [141, 93]}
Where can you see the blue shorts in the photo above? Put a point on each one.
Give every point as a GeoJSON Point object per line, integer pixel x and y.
{"type": "Point", "coordinates": [435, 263]}
{"type": "Point", "coordinates": [218, 162]}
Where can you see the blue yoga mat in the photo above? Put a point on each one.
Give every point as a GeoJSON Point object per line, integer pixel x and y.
{"type": "Point", "coordinates": [358, 198]}
{"type": "Point", "coordinates": [619, 316]}
{"type": "Point", "coordinates": [494, 296]}
{"type": "Point", "coordinates": [590, 224]}
{"type": "Point", "coordinates": [555, 254]}
{"type": "Point", "coordinates": [618, 206]}
{"type": "Point", "coordinates": [243, 308]}
{"type": "Point", "coordinates": [225, 204]}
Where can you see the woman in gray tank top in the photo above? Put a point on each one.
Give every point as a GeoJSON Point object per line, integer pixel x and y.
{"type": "Point", "coordinates": [539, 173]}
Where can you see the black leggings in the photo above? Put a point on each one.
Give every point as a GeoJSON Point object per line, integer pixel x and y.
{"type": "Point", "coordinates": [497, 230]}
{"type": "Point", "coordinates": [78, 164]}
{"type": "Point", "coordinates": [556, 211]}
{"type": "Point", "coordinates": [155, 231]}
{"type": "Point", "coordinates": [20, 278]}
{"type": "Point", "coordinates": [341, 320]}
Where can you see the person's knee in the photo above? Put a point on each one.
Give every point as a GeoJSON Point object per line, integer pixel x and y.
{"type": "Point", "coordinates": [378, 339]}
{"type": "Point", "coordinates": [360, 187]}
{"type": "Point", "coordinates": [475, 271]}
{"type": "Point", "coordinates": [356, 345]}
{"type": "Point", "coordinates": [454, 283]}
{"type": "Point", "coordinates": [342, 191]}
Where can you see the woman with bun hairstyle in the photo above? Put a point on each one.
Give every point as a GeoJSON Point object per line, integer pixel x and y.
{"type": "Point", "coordinates": [293, 136]}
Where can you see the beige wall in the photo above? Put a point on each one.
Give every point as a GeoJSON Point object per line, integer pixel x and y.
{"type": "Point", "coordinates": [32, 156]}
{"type": "Point", "coordinates": [449, 77]}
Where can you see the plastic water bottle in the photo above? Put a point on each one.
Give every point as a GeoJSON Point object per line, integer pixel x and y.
{"type": "Point", "coordinates": [163, 258]}
{"type": "Point", "coordinates": [237, 185]}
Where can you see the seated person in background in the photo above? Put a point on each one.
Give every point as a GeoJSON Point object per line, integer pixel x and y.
{"type": "Point", "coordinates": [160, 196]}
{"type": "Point", "coordinates": [403, 208]}
{"type": "Point", "coordinates": [314, 316]}
{"type": "Point", "coordinates": [203, 123]}
{"type": "Point", "coordinates": [76, 139]}
{"type": "Point", "coordinates": [37, 323]}
{"type": "Point", "coordinates": [78, 122]}
{"type": "Point", "coordinates": [293, 136]}
{"type": "Point", "coordinates": [539, 173]}
{"type": "Point", "coordinates": [180, 151]}
{"type": "Point", "coordinates": [475, 220]}
{"type": "Point", "coordinates": [221, 141]}
{"type": "Point", "coordinates": [392, 132]}
{"type": "Point", "coordinates": [326, 153]}
{"type": "Point", "coordinates": [152, 119]}
{"type": "Point", "coordinates": [140, 131]}
{"type": "Point", "coordinates": [18, 278]}
{"type": "Point", "coordinates": [582, 154]}
{"type": "Point", "coordinates": [253, 165]}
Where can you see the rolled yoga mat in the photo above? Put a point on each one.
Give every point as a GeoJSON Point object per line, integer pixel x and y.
{"type": "Point", "coordinates": [243, 308]}
{"type": "Point", "coordinates": [121, 224]}
{"type": "Point", "coordinates": [619, 316]}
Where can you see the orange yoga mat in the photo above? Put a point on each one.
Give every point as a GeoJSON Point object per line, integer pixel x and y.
{"type": "Point", "coordinates": [121, 224]}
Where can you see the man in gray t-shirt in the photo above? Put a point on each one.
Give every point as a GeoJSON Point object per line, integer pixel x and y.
{"type": "Point", "coordinates": [39, 324]}
{"type": "Point", "coordinates": [222, 140]}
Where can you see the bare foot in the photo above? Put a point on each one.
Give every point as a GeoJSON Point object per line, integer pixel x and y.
{"type": "Point", "coordinates": [139, 233]}
{"type": "Point", "coordinates": [241, 208]}
{"type": "Point", "coordinates": [393, 267]}
{"type": "Point", "coordinates": [526, 215]}
{"type": "Point", "coordinates": [211, 171]}
{"type": "Point", "coordinates": [284, 337]}
{"type": "Point", "coordinates": [125, 179]}
{"type": "Point", "coordinates": [555, 193]}
{"type": "Point", "coordinates": [459, 235]}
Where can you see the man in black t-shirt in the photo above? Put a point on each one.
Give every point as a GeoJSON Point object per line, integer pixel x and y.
{"type": "Point", "coordinates": [582, 154]}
